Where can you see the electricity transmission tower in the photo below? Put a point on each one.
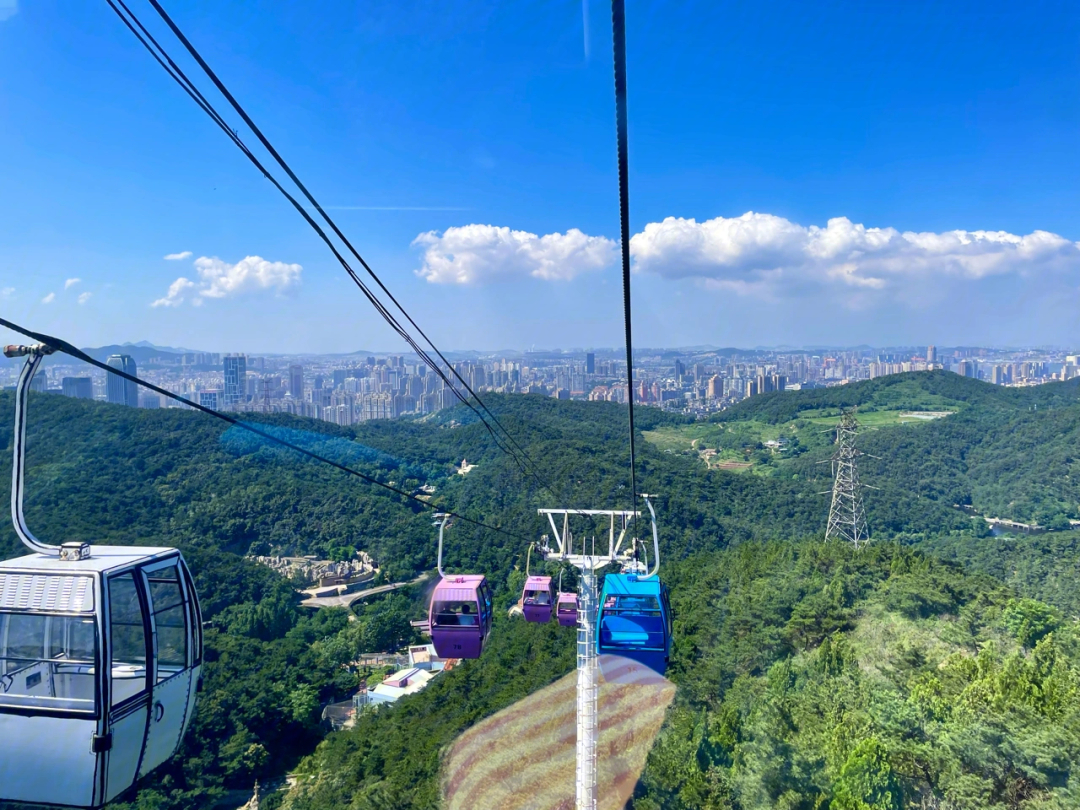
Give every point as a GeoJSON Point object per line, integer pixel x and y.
{"type": "Point", "coordinates": [847, 517]}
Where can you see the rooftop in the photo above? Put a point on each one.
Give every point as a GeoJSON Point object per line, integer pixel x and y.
{"type": "Point", "coordinates": [102, 558]}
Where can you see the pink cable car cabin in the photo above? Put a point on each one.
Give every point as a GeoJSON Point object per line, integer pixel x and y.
{"type": "Point", "coordinates": [538, 599]}
{"type": "Point", "coordinates": [460, 615]}
{"type": "Point", "coordinates": [567, 609]}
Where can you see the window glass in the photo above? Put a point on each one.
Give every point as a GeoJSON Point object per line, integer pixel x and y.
{"type": "Point", "coordinates": [47, 661]}
{"type": "Point", "coordinates": [627, 604]}
{"type": "Point", "coordinates": [195, 616]}
{"type": "Point", "coordinates": [170, 620]}
{"type": "Point", "coordinates": [172, 641]}
{"type": "Point", "coordinates": [165, 591]}
{"type": "Point", "coordinates": [128, 638]}
{"type": "Point", "coordinates": [73, 638]}
{"type": "Point", "coordinates": [538, 597]}
{"type": "Point", "coordinates": [455, 614]}
{"type": "Point", "coordinates": [26, 636]}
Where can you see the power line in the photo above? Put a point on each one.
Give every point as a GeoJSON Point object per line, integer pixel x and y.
{"type": "Point", "coordinates": [618, 24]}
{"type": "Point", "coordinates": [60, 345]}
{"type": "Point", "coordinates": [517, 452]}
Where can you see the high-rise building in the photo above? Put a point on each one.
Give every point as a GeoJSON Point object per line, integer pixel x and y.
{"type": "Point", "coordinates": [680, 370]}
{"type": "Point", "coordinates": [931, 354]}
{"type": "Point", "coordinates": [40, 381]}
{"type": "Point", "coordinates": [209, 399]}
{"type": "Point", "coordinates": [716, 387]}
{"type": "Point", "coordinates": [966, 368]}
{"type": "Point", "coordinates": [590, 363]}
{"type": "Point", "coordinates": [118, 390]}
{"type": "Point", "coordinates": [296, 382]}
{"type": "Point", "coordinates": [477, 379]}
{"type": "Point", "coordinates": [235, 380]}
{"type": "Point", "coordinates": [78, 387]}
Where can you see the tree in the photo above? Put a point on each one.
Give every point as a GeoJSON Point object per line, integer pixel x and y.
{"type": "Point", "coordinates": [867, 781]}
{"type": "Point", "coordinates": [1030, 621]}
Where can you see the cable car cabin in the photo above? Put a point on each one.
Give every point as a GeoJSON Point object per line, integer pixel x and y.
{"type": "Point", "coordinates": [635, 620]}
{"type": "Point", "coordinates": [538, 599]}
{"type": "Point", "coordinates": [566, 609]}
{"type": "Point", "coordinates": [99, 665]}
{"type": "Point", "coordinates": [460, 616]}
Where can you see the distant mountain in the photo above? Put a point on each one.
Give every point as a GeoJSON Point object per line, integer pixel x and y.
{"type": "Point", "coordinates": [142, 354]}
{"type": "Point", "coordinates": [146, 344]}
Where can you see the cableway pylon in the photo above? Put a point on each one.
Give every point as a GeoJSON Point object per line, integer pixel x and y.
{"type": "Point", "coordinates": [588, 561]}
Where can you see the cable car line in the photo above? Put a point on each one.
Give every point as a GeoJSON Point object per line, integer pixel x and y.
{"type": "Point", "coordinates": [57, 344]}
{"type": "Point", "coordinates": [517, 452]}
{"type": "Point", "coordinates": [618, 23]}
{"type": "Point", "coordinates": [177, 74]}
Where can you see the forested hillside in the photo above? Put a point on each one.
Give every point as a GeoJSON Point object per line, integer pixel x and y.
{"type": "Point", "coordinates": [909, 651]}
{"type": "Point", "coordinates": [813, 676]}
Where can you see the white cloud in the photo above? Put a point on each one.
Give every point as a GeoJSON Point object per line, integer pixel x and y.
{"type": "Point", "coordinates": [8, 8]}
{"type": "Point", "coordinates": [175, 257]}
{"type": "Point", "coordinates": [768, 255]}
{"type": "Point", "coordinates": [7, 292]}
{"type": "Point", "coordinates": [71, 282]}
{"type": "Point", "coordinates": [175, 296]}
{"type": "Point", "coordinates": [477, 254]}
{"type": "Point", "coordinates": [84, 297]}
{"type": "Point", "coordinates": [218, 279]}
{"type": "Point", "coordinates": [48, 299]}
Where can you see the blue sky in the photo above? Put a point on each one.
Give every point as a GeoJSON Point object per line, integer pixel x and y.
{"type": "Point", "coordinates": [912, 170]}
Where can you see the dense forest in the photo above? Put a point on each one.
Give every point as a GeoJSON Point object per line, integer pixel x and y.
{"type": "Point", "coordinates": [938, 666]}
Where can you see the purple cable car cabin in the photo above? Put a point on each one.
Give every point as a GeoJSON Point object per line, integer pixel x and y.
{"type": "Point", "coordinates": [537, 600]}
{"type": "Point", "coordinates": [460, 616]}
{"type": "Point", "coordinates": [567, 609]}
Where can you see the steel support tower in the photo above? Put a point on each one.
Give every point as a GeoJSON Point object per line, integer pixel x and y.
{"type": "Point", "coordinates": [588, 665]}
{"type": "Point", "coordinates": [847, 517]}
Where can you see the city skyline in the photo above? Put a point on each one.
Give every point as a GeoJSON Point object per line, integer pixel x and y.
{"type": "Point", "coordinates": [350, 389]}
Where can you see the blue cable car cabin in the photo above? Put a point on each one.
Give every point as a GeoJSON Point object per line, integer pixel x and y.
{"type": "Point", "coordinates": [635, 620]}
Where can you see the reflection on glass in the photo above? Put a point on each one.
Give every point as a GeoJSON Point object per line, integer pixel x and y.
{"type": "Point", "coordinates": [47, 661]}
{"type": "Point", "coordinates": [170, 620]}
{"type": "Point", "coordinates": [128, 638]}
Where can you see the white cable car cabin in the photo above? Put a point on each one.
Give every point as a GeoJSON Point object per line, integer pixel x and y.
{"type": "Point", "coordinates": [100, 658]}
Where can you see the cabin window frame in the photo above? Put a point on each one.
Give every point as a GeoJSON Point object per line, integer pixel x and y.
{"type": "Point", "coordinates": [32, 705]}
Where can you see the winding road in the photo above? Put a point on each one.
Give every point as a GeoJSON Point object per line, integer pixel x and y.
{"type": "Point", "coordinates": [347, 599]}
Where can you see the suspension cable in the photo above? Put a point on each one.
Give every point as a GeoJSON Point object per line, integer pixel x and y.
{"type": "Point", "coordinates": [618, 24]}
{"type": "Point", "coordinates": [515, 450]}
{"type": "Point", "coordinates": [60, 345]}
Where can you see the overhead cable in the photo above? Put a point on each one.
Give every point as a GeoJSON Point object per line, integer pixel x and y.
{"type": "Point", "coordinates": [618, 24]}
{"type": "Point", "coordinates": [515, 450]}
{"type": "Point", "coordinates": [177, 74]}
{"type": "Point", "coordinates": [57, 344]}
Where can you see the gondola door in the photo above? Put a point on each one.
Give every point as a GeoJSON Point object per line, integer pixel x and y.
{"type": "Point", "coordinates": [129, 671]}
{"type": "Point", "coordinates": [171, 621]}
